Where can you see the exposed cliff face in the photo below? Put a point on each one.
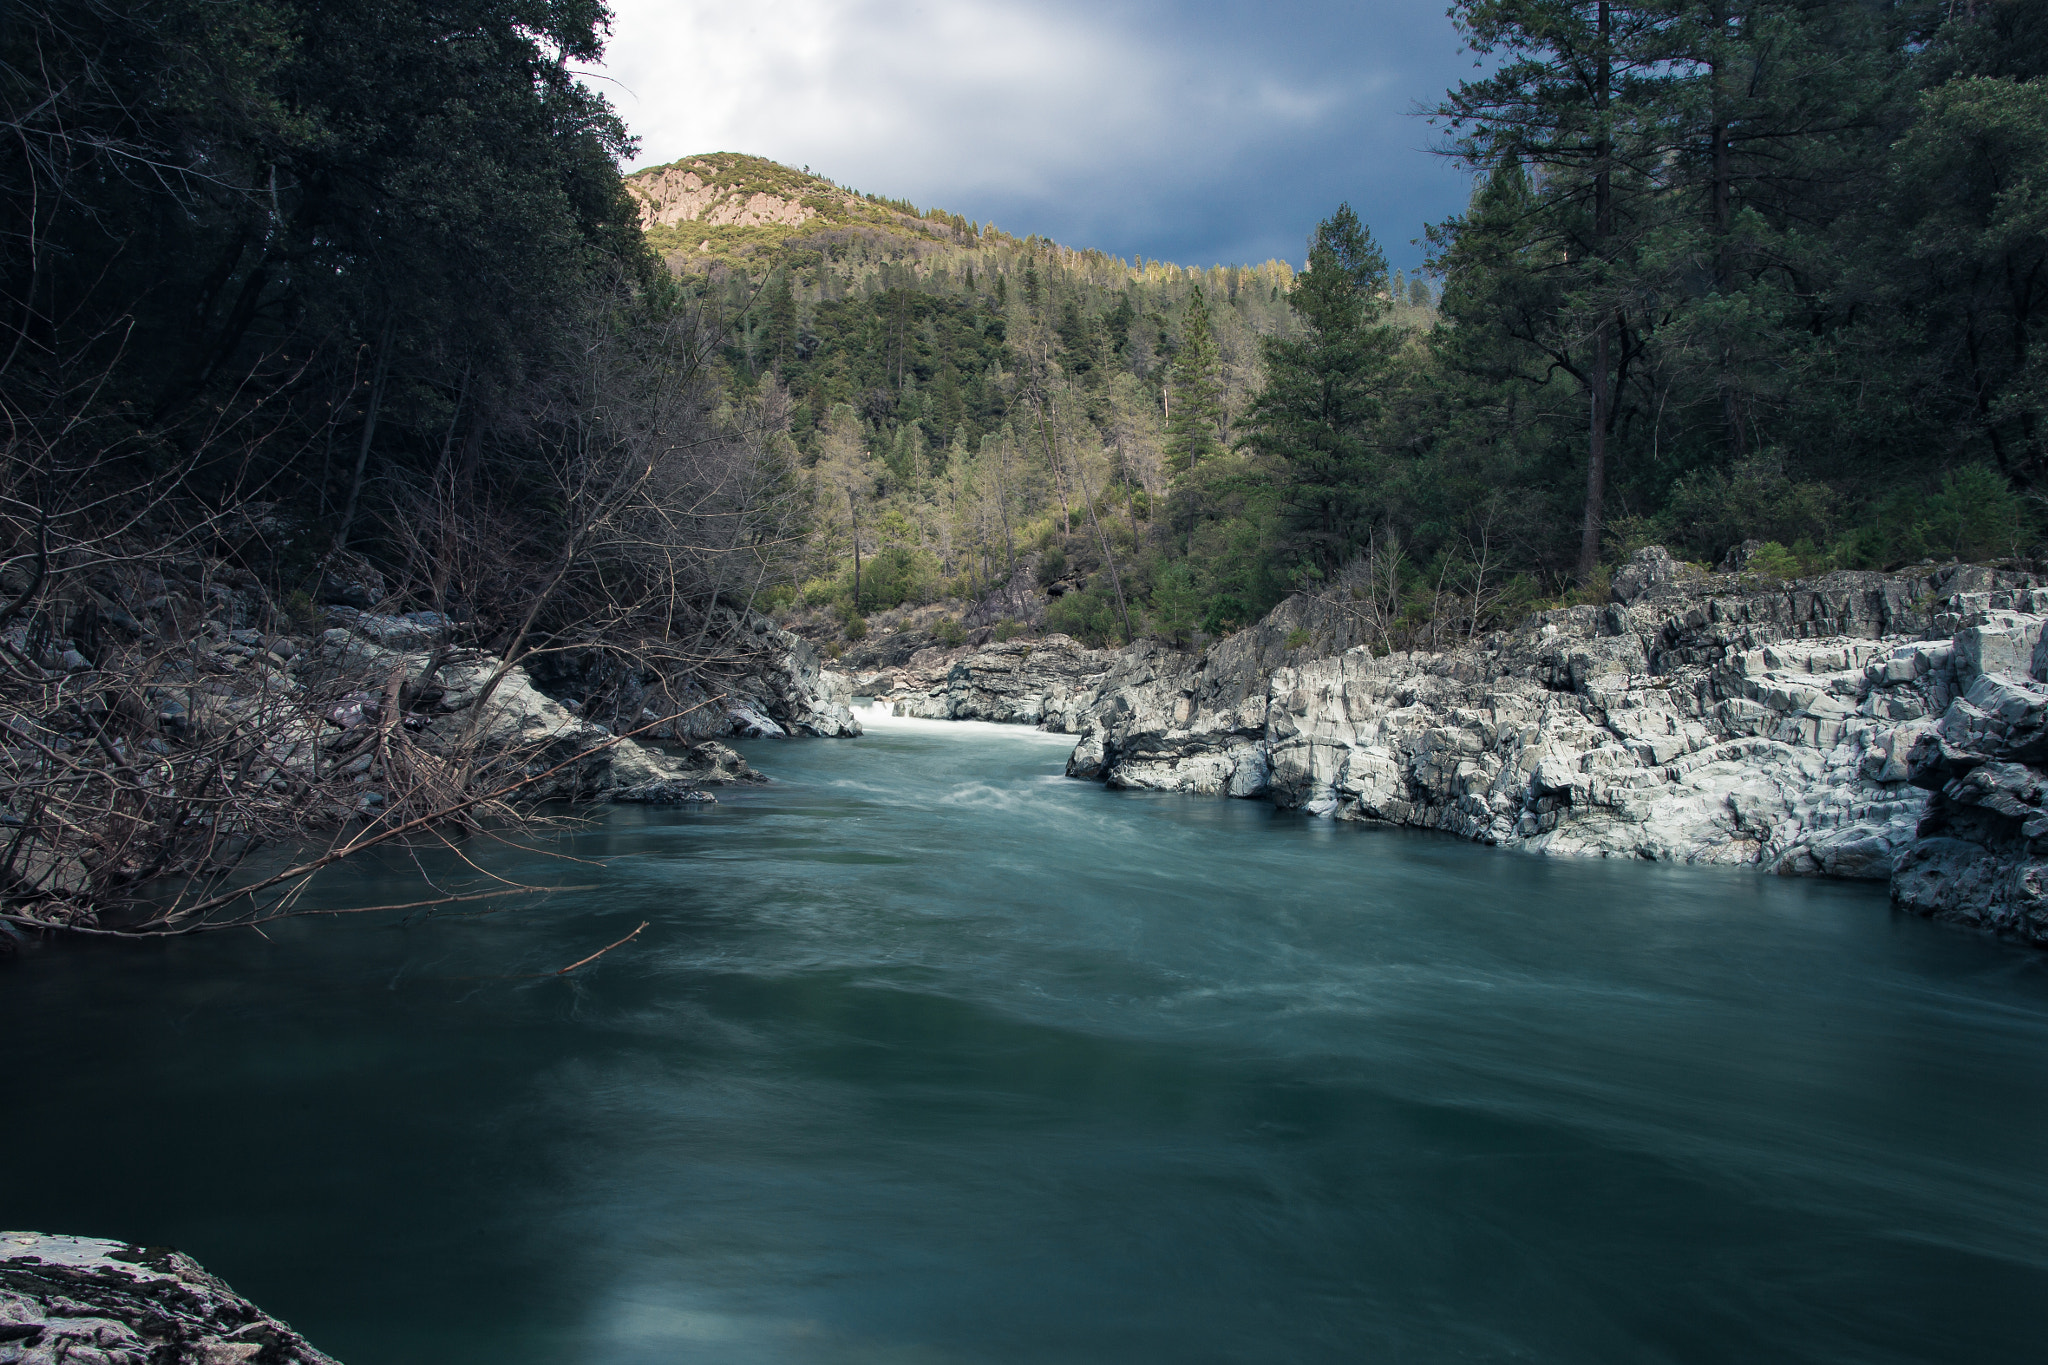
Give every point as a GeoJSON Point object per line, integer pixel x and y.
{"type": "Point", "coordinates": [727, 208]}
{"type": "Point", "coordinates": [83, 1299]}
{"type": "Point", "coordinates": [1697, 718]}
{"type": "Point", "coordinates": [679, 194]}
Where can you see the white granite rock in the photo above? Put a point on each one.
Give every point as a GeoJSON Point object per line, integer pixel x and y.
{"type": "Point", "coordinates": [1705, 718]}
{"type": "Point", "coordinates": [74, 1300]}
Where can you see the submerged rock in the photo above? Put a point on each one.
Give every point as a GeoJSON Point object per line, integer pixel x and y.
{"type": "Point", "coordinates": [670, 791]}
{"type": "Point", "coordinates": [83, 1299]}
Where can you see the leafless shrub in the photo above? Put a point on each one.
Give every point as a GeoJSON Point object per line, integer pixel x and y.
{"type": "Point", "coordinates": [1366, 594]}
{"type": "Point", "coordinates": [162, 717]}
{"type": "Point", "coordinates": [665, 510]}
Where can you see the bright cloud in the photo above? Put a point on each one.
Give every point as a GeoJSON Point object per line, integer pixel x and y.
{"type": "Point", "coordinates": [1166, 131]}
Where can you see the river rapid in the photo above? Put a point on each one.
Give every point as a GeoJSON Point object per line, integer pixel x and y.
{"type": "Point", "coordinates": [929, 1055]}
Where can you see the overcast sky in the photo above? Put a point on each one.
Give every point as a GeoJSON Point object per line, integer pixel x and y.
{"type": "Point", "coordinates": [1190, 132]}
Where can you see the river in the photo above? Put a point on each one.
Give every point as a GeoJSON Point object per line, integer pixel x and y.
{"type": "Point", "coordinates": [929, 1055]}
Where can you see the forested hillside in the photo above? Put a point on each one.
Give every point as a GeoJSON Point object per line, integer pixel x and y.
{"type": "Point", "coordinates": [1761, 272]}
{"type": "Point", "coordinates": [322, 319]}
{"type": "Point", "coordinates": [967, 402]}
{"type": "Point", "coordinates": [357, 295]}
{"type": "Point", "coordinates": [331, 294]}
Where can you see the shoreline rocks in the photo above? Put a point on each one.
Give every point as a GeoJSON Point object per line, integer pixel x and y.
{"type": "Point", "coordinates": [1858, 725]}
{"type": "Point", "coordinates": [174, 718]}
{"type": "Point", "coordinates": [86, 1299]}
{"type": "Point", "coordinates": [669, 765]}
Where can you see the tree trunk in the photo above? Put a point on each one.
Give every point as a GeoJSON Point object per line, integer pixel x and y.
{"type": "Point", "coordinates": [1052, 459]}
{"type": "Point", "coordinates": [1723, 207]}
{"type": "Point", "coordinates": [1108, 556]}
{"type": "Point", "coordinates": [853, 513]}
{"type": "Point", "coordinates": [355, 487]}
{"type": "Point", "coordinates": [1003, 506]}
{"type": "Point", "coordinates": [1596, 457]}
{"type": "Point", "coordinates": [1603, 227]}
{"type": "Point", "coordinates": [1123, 467]}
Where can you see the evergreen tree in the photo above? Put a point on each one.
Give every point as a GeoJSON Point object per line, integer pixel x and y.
{"type": "Point", "coordinates": [1117, 323]}
{"type": "Point", "coordinates": [1969, 197]}
{"type": "Point", "coordinates": [781, 331]}
{"type": "Point", "coordinates": [1319, 411]}
{"type": "Point", "coordinates": [1575, 93]}
{"type": "Point", "coordinates": [1195, 424]}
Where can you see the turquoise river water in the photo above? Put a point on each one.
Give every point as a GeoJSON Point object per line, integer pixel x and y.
{"type": "Point", "coordinates": [932, 1056]}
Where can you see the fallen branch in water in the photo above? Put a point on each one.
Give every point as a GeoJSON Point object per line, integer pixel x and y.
{"type": "Point", "coordinates": [373, 837]}
{"type": "Point", "coordinates": [29, 921]}
{"type": "Point", "coordinates": [582, 962]}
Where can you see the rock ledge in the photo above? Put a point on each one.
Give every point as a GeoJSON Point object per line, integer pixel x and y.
{"type": "Point", "coordinates": [87, 1301]}
{"type": "Point", "coordinates": [1880, 726]}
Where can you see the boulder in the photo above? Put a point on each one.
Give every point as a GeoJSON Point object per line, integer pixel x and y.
{"type": "Point", "coordinates": [84, 1299]}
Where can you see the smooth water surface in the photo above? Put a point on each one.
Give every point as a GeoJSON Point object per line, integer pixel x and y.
{"type": "Point", "coordinates": [930, 1055]}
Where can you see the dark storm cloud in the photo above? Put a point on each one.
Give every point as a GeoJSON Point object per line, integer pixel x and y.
{"type": "Point", "coordinates": [1187, 132]}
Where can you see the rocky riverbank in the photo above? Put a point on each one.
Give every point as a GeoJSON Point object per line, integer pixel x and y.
{"type": "Point", "coordinates": [167, 723]}
{"type": "Point", "coordinates": [779, 692]}
{"type": "Point", "coordinates": [86, 1301]}
{"type": "Point", "coordinates": [315, 695]}
{"type": "Point", "coordinates": [1862, 725]}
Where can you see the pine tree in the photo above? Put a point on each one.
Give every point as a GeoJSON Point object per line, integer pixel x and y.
{"type": "Point", "coordinates": [1323, 399]}
{"type": "Point", "coordinates": [1573, 93]}
{"type": "Point", "coordinates": [1195, 424]}
{"type": "Point", "coordinates": [781, 321]}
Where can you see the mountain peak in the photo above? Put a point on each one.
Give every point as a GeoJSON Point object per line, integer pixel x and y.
{"type": "Point", "coordinates": [722, 208]}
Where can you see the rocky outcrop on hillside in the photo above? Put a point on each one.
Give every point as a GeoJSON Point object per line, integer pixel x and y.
{"type": "Point", "coordinates": [80, 1300]}
{"type": "Point", "coordinates": [1861, 725]}
{"type": "Point", "coordinates": [727, 208]}
{"type": "Point", "coordinates": [680, 194]}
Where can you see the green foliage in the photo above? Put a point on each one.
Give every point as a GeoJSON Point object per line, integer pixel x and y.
{"type": "Point", "coordinates": [1298, 637]}
{"type": "Point", "coordinates": [1195, 425]}
{"type": "Point", "coordinates": [300, 610]}
{"type": "Point", "coordinates": [1052, 566]}
{"type": "Point", "coordinates": [1007, 630]}
{"type": "Point", "coordinates": [1319, 412]}
{"type": "Point", "coordinates": [1773, 560]}
{"type": "Point", "coordinates": [1089, 615]}
{"type": "Point", "coordinates": [1595, 591]}
{"type": "Point", "coordinates": [1753, 499]}
{"type": "Point", "coordinates": [892, 577]}
{"type": "Point", "coordinates": [949, 632]}
{"type": "Point", "coordinates": [1801, 290]}
{"type": "Point", "coordinates": [1778, 262]}
{"type": "Point", "coordinates": [1974, 515]}
{"type": "Point", "coordinates": [366, 223]}
{"type": "Point", "coordinates": [1176, 604]}
{"type": "Point", "coordinates": [1969, 189]}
